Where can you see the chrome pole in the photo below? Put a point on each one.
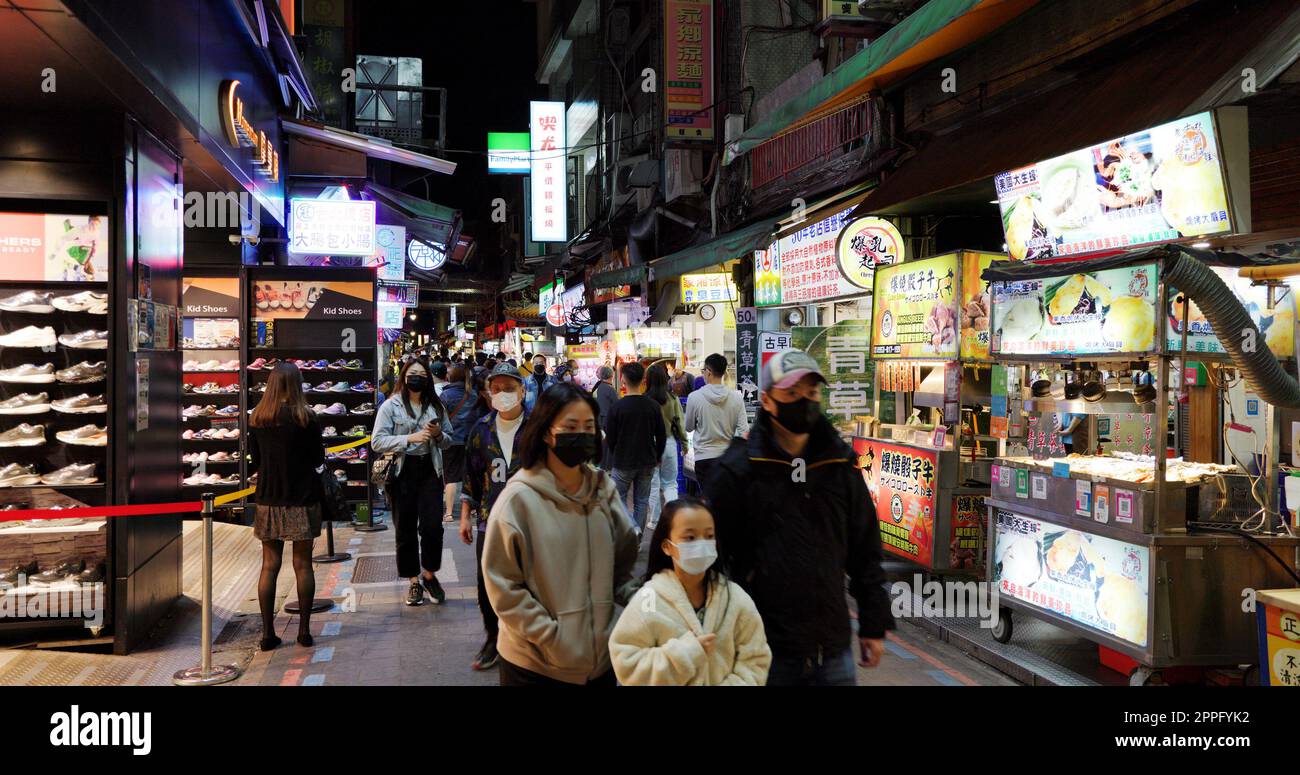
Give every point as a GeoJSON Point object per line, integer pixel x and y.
{"type": "Point", "coordinates": [205, 674]}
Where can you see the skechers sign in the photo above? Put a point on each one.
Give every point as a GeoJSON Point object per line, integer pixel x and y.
{"type": "Point", "coordinates": [241, 133]}
{"type": "Point", "coordinates": [331, 227]}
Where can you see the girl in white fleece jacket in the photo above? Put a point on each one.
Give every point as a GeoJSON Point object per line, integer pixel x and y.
{"type": "Point", "coordinates": [689, 625]}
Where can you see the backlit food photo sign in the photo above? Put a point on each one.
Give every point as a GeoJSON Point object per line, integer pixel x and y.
{"type": "Point", "coordinates": [1159, 185]}
{"type": "Point", "coordinates": [329, 227]}
{"type": "Point", "coordinates": [914, 309]}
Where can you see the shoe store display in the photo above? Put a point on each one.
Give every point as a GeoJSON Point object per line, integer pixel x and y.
{"type": "Point", "coordinates": [29, 374]}
{"type": "Point", "coordinates": [366, 408]}
{"type": "Point", "coordinates": [323, 387]}
{"type": "Point", "coordinates": [364, 387]}
{"type": "Point", "coordinates": [82, 404]}
{"type": "Point", "coordinates": [355, 432]}
{"type": "Point", "coordinates": [26, 403]}
{"type": "Point", "coordinates": [340, 475]}
{"type": "Point", "coordinates": [336, 409]}
{"type": "Point", "coordinates": [62, 571]}
{"type": "Point", "coordinates": [329, 432]}
{"type": "Point", "coordinates": [31, 336]}
{"type": "Point", "coordinates": [77, 473]}
{"type": "Point", "coordinates": [340, 387]}
{"type": "Point", "coordinates": [36, 302]}
{"type": "Point", "coordinates": [85, 436]}
{"type": "Point", "coordinates": [86, 301]}
{"type": "Point", "coordinates": [93, 574]}
{"type": "Point", "coordinates": [19, 475]}
{"type": "Point", "coordinates": [228, 411]}
{"type": "Point", "coordinates": [85, 340]}
{"type": "Point", "coordinates": [83, 373]}
{"type": "Point", "coordinates": [10, 575]}
{"type": "Point", "coordinates": [23, 435]}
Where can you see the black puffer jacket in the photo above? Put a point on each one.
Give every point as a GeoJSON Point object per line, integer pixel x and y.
{"type": "Point", "coordinates": [789, 543]}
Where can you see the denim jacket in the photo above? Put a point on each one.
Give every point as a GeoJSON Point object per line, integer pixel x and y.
{"type": "Point", "coordinates": [393, 423]}
{"type": "Point", "coordinates": [531, 392]}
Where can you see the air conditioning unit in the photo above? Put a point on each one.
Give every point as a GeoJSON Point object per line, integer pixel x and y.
{"type": "Point", "coordinates": [640, 135]}
{"type": "Point", "coordinates": [623, 180]}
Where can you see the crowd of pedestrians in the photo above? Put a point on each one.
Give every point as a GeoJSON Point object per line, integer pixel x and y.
{"type": "Point", "coordinates": [556, 487]}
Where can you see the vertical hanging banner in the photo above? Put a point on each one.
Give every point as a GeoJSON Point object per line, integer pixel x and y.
{"type": "Point", "coordinates": [688, 57]}
{"type": "Point", "coordinates": [843, 351]}
{"type": "Point", "coordinates": [747, 356]}
{"type": "Point", "coordinates": [550, 213]}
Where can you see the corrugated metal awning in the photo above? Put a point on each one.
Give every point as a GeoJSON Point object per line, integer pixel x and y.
{"type": "Point", "coordinates": [725, 247]}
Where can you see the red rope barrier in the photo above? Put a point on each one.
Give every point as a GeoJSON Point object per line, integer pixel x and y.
{"type": "Point", "coordinates": [86, 512]}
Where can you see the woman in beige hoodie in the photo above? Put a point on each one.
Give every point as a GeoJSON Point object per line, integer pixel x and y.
{"type": "Point", "coordinates": [689, 625]}
{"type": "Point", "coordinates": [559, 550]}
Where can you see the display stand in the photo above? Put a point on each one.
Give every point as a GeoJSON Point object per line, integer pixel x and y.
{"type": "Point", "coordinates": [926, 478]}
{"type": "Point", "coordinates": [1119, 551]}
{"type": "Point", "coordinates": [55, 379]}
{"type": "Point", "coordinates": [214, 410]}
{"type": "Point", "coordinates": [330, 555]}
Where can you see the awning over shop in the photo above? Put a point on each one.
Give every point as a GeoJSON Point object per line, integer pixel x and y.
{"type": "Point", "coordinates": [937, 29]}
{"type": "Point", "coordinates": [1013, 271]}
{"type": "Point", "coordinates": [727, 247]}
{"type": "Point", "coordinates": [629, 275]}
{"type": "Point", "coordinates": [423, 219]}
{"type": "Point", "coordinates": [1128, 94]}
{"type": "Point", "coordinates": [370, 146]}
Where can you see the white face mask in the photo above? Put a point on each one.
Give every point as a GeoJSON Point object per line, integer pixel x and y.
{"type": "Point", "coordinates": [504, 402]}
{"type": "Point", "coordinates": [697, 556]}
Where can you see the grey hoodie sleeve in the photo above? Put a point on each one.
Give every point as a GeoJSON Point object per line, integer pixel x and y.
{"type": "Point", "coordinates": [742, 422]}
{"type": "Point", "coordinates": [692, 416]}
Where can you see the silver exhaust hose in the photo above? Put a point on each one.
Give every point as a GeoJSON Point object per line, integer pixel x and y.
{"type": "Point", "coordinates": [1234, 327]}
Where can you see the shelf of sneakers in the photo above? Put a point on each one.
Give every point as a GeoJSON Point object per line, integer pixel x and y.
{"type": "Point", "coordinates": [53, 370]}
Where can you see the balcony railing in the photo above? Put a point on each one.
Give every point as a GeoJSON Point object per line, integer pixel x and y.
{"type": "Point", "coordinates": [798, 148]}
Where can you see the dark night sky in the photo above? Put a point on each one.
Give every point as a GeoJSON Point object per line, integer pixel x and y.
{"type": "Point", "coordinates": [485, 55]}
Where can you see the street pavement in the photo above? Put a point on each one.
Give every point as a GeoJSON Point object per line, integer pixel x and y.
{"type": "Point", "coordinates": [370, 637]}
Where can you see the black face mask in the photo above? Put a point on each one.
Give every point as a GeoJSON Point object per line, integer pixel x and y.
{"type": "Point", "coordinates": [799, 415]}
{"type": "Point", "coordinates": [417, 383]}
{"type": "Point", "coordinates": [575, 448]}
{"type": "Point", "coordinates": [539, 371]}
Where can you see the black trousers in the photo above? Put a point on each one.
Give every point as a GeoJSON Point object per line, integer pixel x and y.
{"type": "Point", "coordinates": [490, 624]}
{"type": "Point", "coordinates": [702, 468]}
{"type": "Point", "coordinates": [513, 675]}
{"type": "Point", "coordinates": [417, 517]}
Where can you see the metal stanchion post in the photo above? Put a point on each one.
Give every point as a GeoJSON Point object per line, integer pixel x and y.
{"type": "Point", "coordinates": [330, 555]}
{"type": "Point", "coordinates": [206, 674]}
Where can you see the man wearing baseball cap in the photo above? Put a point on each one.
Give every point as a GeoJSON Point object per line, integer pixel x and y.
{"type": "Point", "coordinates": [793, 518]}
{"type": "Point", "coordinates": [490, 460]}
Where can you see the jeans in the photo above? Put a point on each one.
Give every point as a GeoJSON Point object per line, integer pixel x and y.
{"type": "Point", "coordinates": [417, 517]}
{"type": "Point", "coordinates": [638, 481]}
{"type": "Point", "coordinates": [665, 478]}
{"type": "Point", "coordinates": [834, 670]}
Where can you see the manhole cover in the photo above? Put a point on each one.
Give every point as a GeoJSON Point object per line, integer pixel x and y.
{"type": "Point", "coordinates": [375, 569]}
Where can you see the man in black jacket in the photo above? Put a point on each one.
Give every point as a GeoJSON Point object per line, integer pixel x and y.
{"type": "Point", "coordinates": [793, 517]}
{"type": "Point", "coordinates": [635, 437]}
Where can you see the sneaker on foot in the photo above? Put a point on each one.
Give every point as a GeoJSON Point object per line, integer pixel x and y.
{"type": "Point", "coordinates": [487, 656]}
{"type": "Point", "coordinates": [435, 589]}
{"type": "Point", "coordinates": [415, 595]}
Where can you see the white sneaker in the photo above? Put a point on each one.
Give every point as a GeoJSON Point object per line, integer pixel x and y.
{"type": "Point", "coordinates": [30, 336]}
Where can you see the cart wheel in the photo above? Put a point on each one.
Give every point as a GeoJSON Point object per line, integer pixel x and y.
{"type": "Point", "coordinates": [1251, 676]}
{"type": "Point", "coordinates": [1002, 630]}
{"type": "Point", "coordinates": [1145, 676]}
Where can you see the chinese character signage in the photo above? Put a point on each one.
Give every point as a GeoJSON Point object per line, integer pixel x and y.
{"type": "Point", "coordinates": [688, 40]}
{"type": "Point", "coordinates": [843, 353]}
{"type": "Point", "coordinates": [863, 245]}
{"type": "Point", "coordinates": [966, 547]}
{"type": "Point", "coordinates": [508, 153]}
{"type": "Point", "coordinates": [549, 296]}
{"type": "Point", "coordinates": [902, 481]}
{"type": "Point", "coordinates": [403, 294]}
{"type": "Point", "coordinates": [331, 227]}
{"type": "Point", "coordinates": [704, 288]}
{"type": "Point", "coordinates": [39, 247]}
{"type": "Point", "coordinates": [747, 357]}
{"type": "Point", "coordinates": [770, 343]}
{"type": "Point", "coordinates": [915, 309]}
{"type": "Point", "coordinates": [1281, 647]}
{"type": "Point", "coordinates": [1159, 185]}
{"type": "Point", "coordinates": [390, 249]}
{"type": "Point", "coordinates": [1103, 312]}
{"type": "Point", "coordinates": [390, 315]}
{"type": "Point", "coordinates": [1097, 582]}
{"type": "Point", "coordinates": [802, 267]}
{"type": "Point", "coordinates": [550, 212]}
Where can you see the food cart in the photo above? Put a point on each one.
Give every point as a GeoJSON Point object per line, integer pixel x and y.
{"type": "Point", "coordinates": [1147, 555]}
{"type": "Point", "coordinates": [928, 466]}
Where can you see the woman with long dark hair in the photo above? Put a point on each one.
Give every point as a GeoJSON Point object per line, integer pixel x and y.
{"type": "Point", "coordinates": [414, 424]}
{"type": "Point", "coordinates": [664, 479]}
{"type": "Point", "coordinates": [689, 624]}
{"type": "Point", "coordinates": [559, 550]}
{"type": "Point", "coordinates": [286, 449]}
